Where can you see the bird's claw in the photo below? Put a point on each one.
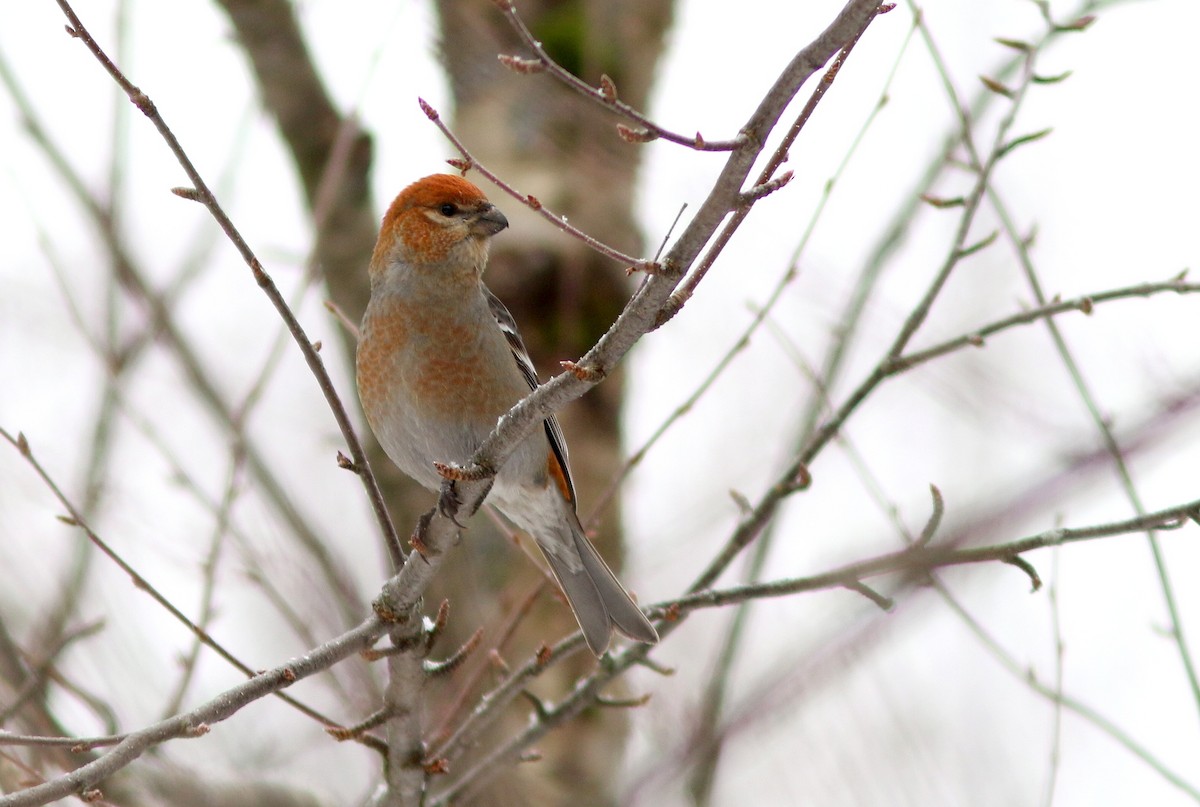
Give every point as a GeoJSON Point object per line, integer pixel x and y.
{"type": "Point", "coordinates": [448, 502]}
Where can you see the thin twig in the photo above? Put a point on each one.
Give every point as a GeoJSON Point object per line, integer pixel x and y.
{"type": "Point", "coordinates": [469, 161]}
{"type": "Point", "coordinates": [1111, 446]}
{"type": "Point", "coordinates": [605, 95]}
{"type": "Point", "coordinates": [687, 288]}
{"type": "Point", "coordinates": [1076, 707]}
{"type": "Point", "coordinates": [75, 518]}
{"type": "Point", "coordinates": [198, 721]}
{"type": "Point", "coordinates": [761, 312]}
{"type": "Point", "coordinates": [163, 328]}
{"type": "Point", "coordinates": [918, 561]}
{"type": "Point", "coordinates": [209, 200]}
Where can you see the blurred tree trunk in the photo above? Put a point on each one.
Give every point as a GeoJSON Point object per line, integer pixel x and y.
{"type": "Point", "coordinates": [547, 141]}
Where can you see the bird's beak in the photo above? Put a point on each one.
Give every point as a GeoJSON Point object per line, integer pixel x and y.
{"type": "Point", "coordinates": [489, 221]}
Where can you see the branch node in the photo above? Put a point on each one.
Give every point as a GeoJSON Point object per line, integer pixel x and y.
{"type": "Point", "coordinates": [1054, 79]}
{"type": "Point", "coordinates": [453, 472]}
{"type": "Point", "coordinates": [632, 135]}
{"type": "Point", "coordinates": [439, 621]}
{"type": "Point", "coordinates": [435, 669]}
{"type": "Point", "coordinates": [649, 267]}
{"type": "Point", "coordinates": [497, 661]}
{"type": "Point", "coordinates": [983, 243]}
{"type": "Point", "coordinates": [1080, 24]}
{"type": "Point", "coordinates": [385, 612]}
{"type": "Point", "coordinates": [859, 587]}
{"type": "Point", "coordinates": [1015, 44]}
{"type": "Point", "coordinates": [1022, 140]}
{"type": "Point", "coordinates": [743, 503]}
{"type": "Point", "coordinates": [765, 189]}
{"type": "Point", "coordinates": [521, 65]}
{"type": "Point", "coordinates": [191, 194]}
{"type": "Point", "coordinates": [800, 479]}
{"type": "Point", "coordinates": [591, 374]}
{"type": "Point", "coordinates": [608, 89]}
{"type": "Point", "coordinates": [940, 203]}
{"type": "Point", "coordinates": [347, 464]}
{"type": "Point", "coordinates": [996, 87]}
{"type": "Point", "coordinates": [623, 703]}
{"type": "Point", "coordinates": [539, 708]}
{"type": "Point", "coordinates": [654, 666]}
{"type": "Point", "coordinates": [463, 166]}
{"type": "Point", "coordinates": [669, 309]}
{"type": "Point", "coordinates": [344, 733]}
{"type": "Point", "coordinates": [429, 111]}
{"type": "Point", "coordinates": [1027, 567]}
{"type": "Point", "coordinates": [935, 518]}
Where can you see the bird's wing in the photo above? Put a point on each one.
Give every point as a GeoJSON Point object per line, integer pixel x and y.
{"type": "Point", "coordinates": [508, 326]}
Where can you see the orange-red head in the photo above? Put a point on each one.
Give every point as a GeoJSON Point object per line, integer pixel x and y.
{"type": "Point", "coordinates": [441, 222]}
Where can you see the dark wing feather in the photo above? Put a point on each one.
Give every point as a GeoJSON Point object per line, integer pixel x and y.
{"type": "Point", "coordinates": [508, 326]}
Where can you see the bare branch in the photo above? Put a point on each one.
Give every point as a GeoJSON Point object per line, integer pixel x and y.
{"type": "Point", "coordinates": [605, 95]}
{"type": "Point", "coordinates": [197, 722]}
{"type": "Point", "coordinates": [311, 357]}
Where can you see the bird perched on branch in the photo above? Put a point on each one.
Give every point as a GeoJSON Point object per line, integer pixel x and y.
{"type": "Point", "coordinates": [440, 361]}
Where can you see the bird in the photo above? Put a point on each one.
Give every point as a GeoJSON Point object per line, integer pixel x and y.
{"type": "Point", "coordinates": [440, 361]}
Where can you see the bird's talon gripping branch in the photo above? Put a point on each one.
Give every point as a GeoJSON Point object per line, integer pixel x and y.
{"type": "Point", "coordinates": [449, 502]}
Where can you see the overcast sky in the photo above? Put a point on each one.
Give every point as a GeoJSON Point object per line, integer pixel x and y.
{"type": "Point", "coordinates": [834, 702]}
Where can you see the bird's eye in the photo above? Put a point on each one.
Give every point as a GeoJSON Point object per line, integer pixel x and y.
{"type": "Point", "coordinates": [447, 209]}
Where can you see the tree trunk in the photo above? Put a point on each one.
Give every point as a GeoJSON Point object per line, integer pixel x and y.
{"type": "Point", "coordinates": [545, 140]}
{"type": "Point", "coordinates": [549, 142]}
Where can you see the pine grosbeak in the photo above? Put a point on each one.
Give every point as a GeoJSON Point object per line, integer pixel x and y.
{"type": "Point", "coordinates": [440, 361]}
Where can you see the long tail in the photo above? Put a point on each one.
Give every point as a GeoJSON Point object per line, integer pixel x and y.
{"type": "Point", "coordinates": [595, 595]}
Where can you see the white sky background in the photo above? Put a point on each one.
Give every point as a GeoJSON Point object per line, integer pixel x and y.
{"type": "Point", "coordinates": [917, 712]}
